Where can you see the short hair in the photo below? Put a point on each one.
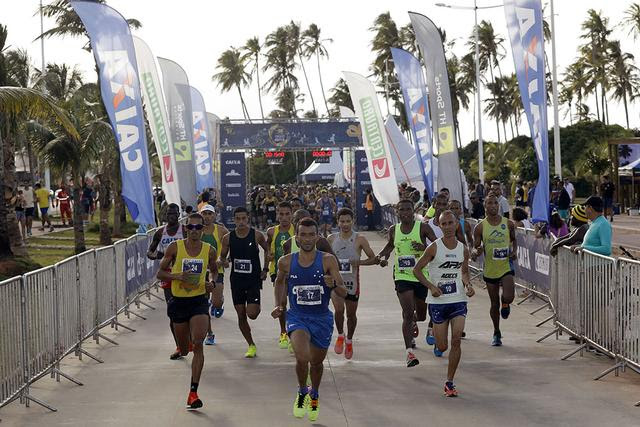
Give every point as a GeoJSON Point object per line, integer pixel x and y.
{"type": "Point", "coordinates": [519, 214]}
{"type": "Point", "coordinates": [595, 202]}
{"type": "Point", "coordinates": [173, 206]}
{"type": "Point", "coordinates": [455, 201]}
{"type": "Point", "coordinates": [307, 222]}
{"type": "Point", "coordinates": [240, 209]}
{"type": "Point", "coordinates": [205, 196]}
{"type": "Point", "coordinates": [445, 189]}
{"type": "Point", "coordinates": [345, 211]}
{"type": "Point", "coordinates": [196, 215]}
{"type": "Point", "coordinates": [441, 196]}
{"type": "Point", "coordinates": [448, 212]}
{"type": "Point", "coordinates": [188, 209]}
{"type": "Point", "coordinates": [303, 213]}
{"type": "Point", "coordinates": [284, 204]}
{"type": "Point", "coordinates": [407, 201]}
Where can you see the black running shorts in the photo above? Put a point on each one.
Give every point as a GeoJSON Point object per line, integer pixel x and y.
{"type": "Point", "coordinates": [181, 310]}
{"type": "Point", "coordinates": [419, 291]}
{"type": "Point", "coordinates": [242, 294]}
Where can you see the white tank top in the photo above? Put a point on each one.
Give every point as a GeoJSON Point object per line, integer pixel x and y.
{"type": "Point", "coordinates": [445, 272]}
{"type": "Point", "coordinates": [166, 238]}
{"type": "Point", "coordinates": [436, 229]}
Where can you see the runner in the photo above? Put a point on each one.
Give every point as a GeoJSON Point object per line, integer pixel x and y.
{"type": "Point", "coordinates": [409, 242]}
{"type": "Point", "coordinates": [246, 275]}
{"type": "Point", "coordinates": [269, 207]}
{"type": "Point", "coordinates": [497, 236]}
{"type": "Point", "coordinates": [326, 208]}
{"type": "Point", "coordinates": [162, 238]}
{"type": "Point", "coordinates": [465, 228]}
{"type": "Point", "coordinates": [188, 308]}
{"type": "Point", "coordinates": [308, 278]}
{"type": "Point", "coordinates": [348, 246]}
{"type": "Point", "coordinates": [447, 260]}
{"type": "Point", "coordinates": [212, 234]}
{"type": "Point", "coordinates": [276, 237]}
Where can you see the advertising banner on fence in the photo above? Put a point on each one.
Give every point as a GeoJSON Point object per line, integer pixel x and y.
{"type": "Point", "coordinates": [300, 135]}
{"type": "Point", "coordinates": [374, 138]}
{"type": "Point", "coordinates": [113, 50]}
{"type": "Point", "coordinates": [201, 142]}
{"type": "Point", "coordinates": [156, 108]}
{"type": "Point", "coordinates": [414, 93]}
{"type": "Point", "coordinates": [524, 21]}
{"type": "Point", "coordinates": [178, 98]}
{"type": "Point", "coordinates": [233, 185]}
{"type": "Point", "coordinates": [534, 264]}
{"type": "Point", "coordinates": [428, 38]}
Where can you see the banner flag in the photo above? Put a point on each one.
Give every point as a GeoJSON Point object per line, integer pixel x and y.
{"type": "Point", "coordinates": [430, 43]}
{"type": "Point", "coordinates": [113, 50]}
{"type": "Point", "coordinates": [178, 98]}
{"type": "Point", "coordinates": [374, 138]}
{"type": "Point", "coordinates": [347, 153]}
{"type": "Point", "coordinates": [153, 101]}
{"type": "Point", "coordinates": [201, 142]}
{"type": "Point", "coordinates": [524, 21]}
{"type": "Point", "coordinates": [233, 185]}
{"type": "Point", "coordinates": [214, 128]}
{"type": "Point", "coordinates": [414, 92]}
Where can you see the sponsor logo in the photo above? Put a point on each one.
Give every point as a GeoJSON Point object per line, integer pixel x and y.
{"type": "Point", "coordinates": [450, 264]}
{"type": "Point", "coordinates": [375, 138]}
{"type": "Point", "coordinates": [232, 172]}
{"type": "Point", "coordinates": [201, 144]}
{"type": "Point", "coordinates": [233, 194]}
{"type": "Point", "coordinates": [542, 263]}
{"type": "Point", "coordinates": [233, 185]}
{"type": "Point", "coordinates": [523, 259]}
{"type": "Point", "coordinates": [156, 113]}
{"type": "Point", "coordinates": [232, 162]}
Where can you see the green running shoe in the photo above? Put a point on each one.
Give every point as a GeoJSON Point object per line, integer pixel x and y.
{"type": "Point", "coordinates": [300, 404]}
{"type": "Point", "coordinates": [251, 351]}
{"type": "Point", "coordinates": [284, 341]}
{"type": "Point", "coordinates": [313, 409]}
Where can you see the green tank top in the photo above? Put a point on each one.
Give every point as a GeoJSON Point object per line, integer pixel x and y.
{"type": "Point", "coordinates": [495, 239]}
{"type": "Point", "coordinates": [406, 256]}
{"type": "Point", "coordinates": [211, 239]}
{"type": "Point", "coordinates": [279, 237]}
{"type": "Point", "coordinates": [294, 245]}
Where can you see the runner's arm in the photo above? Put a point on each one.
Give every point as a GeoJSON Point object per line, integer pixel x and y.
{"type": "Point", "coordinates": [371, 256]}
{"type": "Point", "coordinates": [331, 267]}
{"type": "Point", "coordinates": [286, 246]}
{"type": "Point", "coordinates": [468, 233]}
{"type": "Point", "coordinates": [213, 268]}
{"type": "Point", "coordinates": [426, 232]}
{"type": "Point", "coordinates": [167, 260]}
{"type": "Point", "coordinates": [513, 240]}
{"type": "Point", "coordinates": [426, 257]}
{"type": "Point", "coordinates": [388, 248]}
{"type": "Point", "coordinates": [477, 241]}
{"type": "Point", "coordinates": [151, 253]}
{"type": "Point", "coordinates": [268, 256]}
{"type": "Point", "coordinates": [224, 251]}
{"type": "Point", "coordinates": [260, 240]}
{"type": "Point", "coordinates": [280, 288]}
{"type": "Point", "coordinates": [460, 234]}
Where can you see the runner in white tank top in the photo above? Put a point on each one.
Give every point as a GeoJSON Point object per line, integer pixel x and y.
{"type": "Point", "coordinates": [449, 284]}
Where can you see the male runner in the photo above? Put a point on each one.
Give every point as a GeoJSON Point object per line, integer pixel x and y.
{"type": "Point", "coordinates": [326, 208]}
{"type": "Point", "coordinates": [447, 260]}
{"type": "Point", "coordinates": [497, 236]}
{"type": "Point", "coordinates": [409, 239]}
{"type": "Point", "coordinates": [307, 279]}
{"type": "Point", "coordinates": [348, 246]}
{"type": "Point", "coordinates": [276, 236]}
{"type": "Point", "coordinates": [246, 275]}
{"type": "Point", "coordinates": [161, 239]}
{"type": "Point", "coordinates": [212, 233]}
{"type": "Point", "coordinates": [189, 260]}
{"type": "Point", "coordinates": [456, 207]}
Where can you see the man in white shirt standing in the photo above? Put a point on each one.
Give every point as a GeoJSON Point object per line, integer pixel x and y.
{"type": "Point", "coordinates": [503, 203]}
{"type": "Point", "coordinates": [570, 189]}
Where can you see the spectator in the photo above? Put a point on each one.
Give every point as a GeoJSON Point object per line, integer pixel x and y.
{"type": "Point", "coordinates": [477, 207]}
{"type": "Point", "coordinates": [29, 205]}
{"type": "Point", "coordinates": [607, 190]}
{"type": "Point", "coordinates": [520, 198]}
{"type": "Point", "coordinates": [530, 194]}
{"type": "Point", "coordinates": [64, 200]}
{"type": "Point", "coordinates": [570, 189]}
{"type": "Point", "coordinates": [563, 202]}
{"type": "Point", "coordinates": [18, 202]}
{"type": "Point", "coordinates": [580, 226]}
{"type": "Point", "coordinates": [42, 196]}
{"type": "Point", "coordinates": [598, 237]}
{"type": "Point", "coordinates": [480, 191]}
{"type": "Point", "coordinates": [521, 218]}
{"type": "Point", "coordinates": [503, 203]}
{"type": "Point", "coordinates": [557, 226]}
{"type": "Point", "coordinates": [369, 204]}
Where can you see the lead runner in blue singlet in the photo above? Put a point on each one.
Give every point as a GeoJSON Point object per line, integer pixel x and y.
{"type": "Point", "coordinates": [306, 279]}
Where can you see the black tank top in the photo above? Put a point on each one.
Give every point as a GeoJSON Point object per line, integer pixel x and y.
{"type": "Point", "coordinates": [245, 259]}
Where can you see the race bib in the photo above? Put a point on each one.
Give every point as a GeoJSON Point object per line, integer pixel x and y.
{"type": "Point", "coordinates": [345, 266]}
{"type": "Point", "coordinates": [448, 288]}
{"type": "Point", "coordinates": [340, 204]}
{"type": "Point", "coordinates": [309, 294]}
{"type": "Point", "coordinates": [243, 266]}
{"type": "Point", "coordinates": [325, 212]}
{"type": "Point", "coordinates": [194, 267]}
{"type": "Point", "coordinates": [351, 287]}
{"type": "Point", "coordinates": [406, 262]}
{"type": "Point", "coordinates": [271, 208]}
{"type": "Point", "coordinates": [500, 253]}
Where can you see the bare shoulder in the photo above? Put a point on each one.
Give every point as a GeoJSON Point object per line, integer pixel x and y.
{"type": "Point", "coordinates": [284, 262]}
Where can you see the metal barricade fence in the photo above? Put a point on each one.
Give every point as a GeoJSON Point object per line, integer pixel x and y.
{"type": "Point", "coordinates": [87, 293]}
{"type": "Point", "coordinates": [68, 314]}
{"type": "Point", "coordinates": [566, 292]}
{"type": "Point", "coordinates": [12, 372]}
{"type": "Point", "coordinates": [120, 273]}
{"type": "Point", "coordinates": [105, 285]}
{"type": "Point", "coordinates": [629, 316]}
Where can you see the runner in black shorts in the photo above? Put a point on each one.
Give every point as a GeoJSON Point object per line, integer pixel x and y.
{"type": "Point", "coordinates": [246, 275]}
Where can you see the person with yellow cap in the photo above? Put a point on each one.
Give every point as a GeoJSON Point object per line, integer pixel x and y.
{"type": "Point", "coordinates": [579, 223]}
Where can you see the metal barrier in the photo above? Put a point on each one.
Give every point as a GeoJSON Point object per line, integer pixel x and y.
{"type": "Point", "coordinates": [47, 314]}
{"type": "Point", "coordinates": [629, 314]}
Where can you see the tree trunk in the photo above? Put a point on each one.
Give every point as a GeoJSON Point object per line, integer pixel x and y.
{"type": "Point", "coordinates": [626, 110]}
{"type": "Point", "coordinates": [324, 97]}
{"type": "Point", "coordinates": [10, 238]}
{"type": "Point", "coordinates": [104, 199]}
{"type": "Point", "coordinates": [5, 245]}
{"type": "Point", "coordinates": [78, 227]}
{"type": "Point", "coordinates": [117, 219]}
{"type": "Point", "coordinates": [306, 79]}
{"type": "Point", "coordinates": [595, 93]}
{"type": "Point", "coordinates": [495, 103]}
{"type": "Point", "coordinates": [259, 88]}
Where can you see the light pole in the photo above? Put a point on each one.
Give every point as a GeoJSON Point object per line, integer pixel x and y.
{"type": "Point", "coordinates": [557, 159]}
{"type": "Point", "coordinates": [477, 65]}
{"type": "Point", "coordinates": [47, 171]}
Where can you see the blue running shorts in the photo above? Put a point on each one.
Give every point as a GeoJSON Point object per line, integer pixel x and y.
{"type": "Point", "coordinates": [440, 313]}
{"type": "Point", "coordinates": [318, 326]}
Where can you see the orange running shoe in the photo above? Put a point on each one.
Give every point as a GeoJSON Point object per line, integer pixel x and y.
{"type": "Point", "coordinates": [348, 350]}
{"type": "Point", "coordinates": [339, 344]}
{"type": "Point", "coordinates": [193, 401]}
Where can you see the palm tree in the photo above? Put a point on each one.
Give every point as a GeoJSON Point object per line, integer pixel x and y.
{"type": "Point", "coordinates": [498, 105]}
{"type": "Point", "coordinates": [280, 60]}
{"type": "Point", "coordinates": [624, 76]}
{"type": "Point", "coordinates": [575, 82]}
{"type": "Point", "coordinates": [632, 20]}
{"type": "Point", "coordinates": [460, 88]}
{"type": "Point", "coordinates": [252, 50]}
{"type": "Point", "coordinates": [386, 36]}
{"type": "Point", "coordinates": [232, 73]}
{"type": "Point", "coordinates": [314, 45]}
{"type": "Point", "coordinates": [514, 102]}
{"type": "Point", "coordinates": [340, 97]}
{"type": "Point", "coordinates": [295, 46]}
{"type": "Point", "coordinates": [61, 81]}
{"type": "Point", "coordinates": [408, 41]}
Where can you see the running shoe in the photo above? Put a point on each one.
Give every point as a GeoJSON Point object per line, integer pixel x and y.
{"type": "Point", "coordinates": [193, 401]}
{"type": "Point", "coordinates": [339, 344]}
{"type": "Point", "coordinates": [348, 350]}
{"type": "Point", "coordinates": [437, 352]}
{"type": "Point", "coordinates": [431, 340]}
{"type": "Point", "coordinates": [284, 341]}
{"type": "Point", "coordinates": [497, 339]}
{"type": "Point", "coordinates": [251, 351]}
{"type": "Point", "coordinates": [51, 228]}
{"type": "Point", "coordinates": [505, 311]}
{"type": "Point", "coordinates": [313, 409]}
{"type": "Point", "coordinates": [450, 389]}
{"type": "Point", "coordinates": [412, 360]}
{"type": "Point", "coordinates": [416, 331]}
{"type": "Point", "coordinates": [218, 312]}
{"type": "Point", "coordinates": [300, 404]}
{"type": "Point", "coordinates": [290, 347]}
{"type": "Point", "coordinates": [210, 340]}
{"type": "Point", "coordinates": [176, 355]}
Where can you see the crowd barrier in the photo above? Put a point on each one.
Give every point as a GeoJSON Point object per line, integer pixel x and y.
{"type": "Point", "coordinates": [50, 313]}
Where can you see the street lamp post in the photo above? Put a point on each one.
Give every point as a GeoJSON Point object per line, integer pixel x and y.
{"type": "Point", "coordinates": [557, 159]}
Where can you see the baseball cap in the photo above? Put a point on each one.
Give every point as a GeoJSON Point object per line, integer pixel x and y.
{"type": "Point", "coordinates": [208, 208]}
{"type": "Point", "coordinates": [579, 213]}
{"type": "Point", "coordinates": [595, 202]}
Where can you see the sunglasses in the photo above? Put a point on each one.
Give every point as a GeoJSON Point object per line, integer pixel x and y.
{"type": "Point", "coordinates": [195, 227]}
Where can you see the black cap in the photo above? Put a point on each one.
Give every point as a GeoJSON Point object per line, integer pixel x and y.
{"type": "Point", "coordinates": [595, 202]}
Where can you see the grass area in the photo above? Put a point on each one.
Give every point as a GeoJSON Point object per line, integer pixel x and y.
{"type": "Point", "coordinates": [46, 257]}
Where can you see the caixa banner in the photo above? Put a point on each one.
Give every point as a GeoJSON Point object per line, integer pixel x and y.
{"type": "Point", "coordinates": [298, 135]}
{"type": "Point", "coordinates": [234, 185]}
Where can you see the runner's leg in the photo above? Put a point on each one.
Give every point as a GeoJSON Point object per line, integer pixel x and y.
{"type": "Point", "coordinates": [338, 305]}
{"type": "Point", "coordinates": [407, 302]}
{"type": "Point", "coordinates": [198, 326]}
{"type": "Point", "coordinates": [494, 295]}
{"type": "Point", "coordinates": [317, 356]}
{"type": "Point", "coordinates": [243, 323]}
{"type": "Point", "coordinates": [352, 320]}
{"type": "Point", "coordinates": [301, 343]}
{"type": "Point", "coordinates": [182, 332]}
{"type": "Point", "coordinates": [457, 326]}
{"type": "Point", "coordinates": [508, 289]}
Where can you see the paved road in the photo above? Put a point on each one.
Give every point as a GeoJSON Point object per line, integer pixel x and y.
{"type": "Point", "coordinates": [521, 384]}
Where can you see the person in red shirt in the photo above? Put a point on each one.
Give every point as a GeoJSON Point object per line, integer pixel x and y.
{"type": "Point", "coordinates": [64, 200]}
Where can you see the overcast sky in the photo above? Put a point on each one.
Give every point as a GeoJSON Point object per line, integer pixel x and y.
{"type": "Point", "coordinates": [195, 32]}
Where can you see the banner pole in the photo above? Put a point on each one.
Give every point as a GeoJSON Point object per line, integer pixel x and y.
{"type": "Point", "coordinates": [557, 155]}
{"type": "Point", "coordinates": [478, 99]}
